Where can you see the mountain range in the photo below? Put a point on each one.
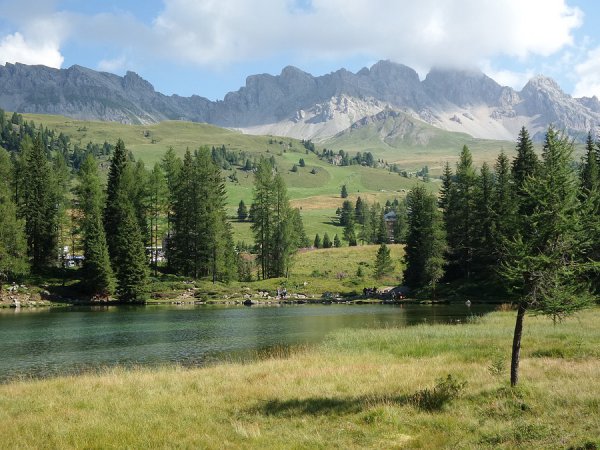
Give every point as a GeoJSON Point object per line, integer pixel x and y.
{"type": "Point", "coordinates": [300, 105]}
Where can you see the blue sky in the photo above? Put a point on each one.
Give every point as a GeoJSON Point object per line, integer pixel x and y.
{"type": "Point", "coordinates": [208, 47]}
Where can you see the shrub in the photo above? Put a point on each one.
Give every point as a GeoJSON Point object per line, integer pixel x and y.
{"type": "Point", "coordinates": [444, 391]}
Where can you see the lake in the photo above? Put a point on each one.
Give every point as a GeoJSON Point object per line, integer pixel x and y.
{"type": "Point", "coordinates": [54, 341]}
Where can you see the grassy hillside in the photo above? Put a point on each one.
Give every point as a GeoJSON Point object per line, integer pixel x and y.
{"type": "Point", "coordinates": [149, 143]}
{"type": "Point", "coordinates": [412, 143]}
{"type": "Point", "coordinates": [359, 389]}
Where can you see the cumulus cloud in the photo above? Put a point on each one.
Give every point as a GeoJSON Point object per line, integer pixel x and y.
{"type": "Point", "coordinates": [588, 72]}
{"type": "Point", "coordinates": [15, 48]}
{"type": "Point", "coordinates": [424, 33]}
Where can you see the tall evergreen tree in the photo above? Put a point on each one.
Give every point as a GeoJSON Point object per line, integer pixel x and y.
{"type": "Point", "coordinates": [425, 242]}
{"type": "Point", "coordinates": [13, 245]}
{"type": "Point", "coordinates": [114, 186]}
{"type": "Point", "coordinates": [590, 174]}
{"type": "Point", "coordinates": [317, 242]}
{"type": "Point", "coordinates": [446, 186]}
{"type": "Point", "coordinates": [485, 226]}
{"type": "Point", "coordinates": [40, 207]}
{"type": "Point", "coordinates": [124, 238]}
{"type": "Point", "coordinates": [171, 166]}
{"type": "Point", "coordinates": [544, 259]}
{"type": "Point", "coordinates": [526, 162]}
{"type": "Point", "coordinates": [460, 216]}
{"type": "Point", "coordinates": [383, 262]}
{"type": "Point", "coordinates": [503, 204]}
{"type": "Point", "coordinates": [336, 241]}
{"type": "Point", "coordinates": [327, 241]}
{"type": "Point", "coordinates": [344, 192]}
{"type": "Point", "coordinates": [242, 211]}
{"type": "Point", "coordinates": [97, 275]}
{"type": "Point", "coordinates": [360, 211]}
{"type": "Point", "coordinates": [158, 205]}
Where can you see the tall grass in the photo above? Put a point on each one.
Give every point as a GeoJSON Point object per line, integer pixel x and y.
{"type": "Point", "coordinates": [356, 390]}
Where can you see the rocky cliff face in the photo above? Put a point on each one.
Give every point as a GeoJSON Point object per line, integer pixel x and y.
{"type": "Point", "coordinates": [297, 104]}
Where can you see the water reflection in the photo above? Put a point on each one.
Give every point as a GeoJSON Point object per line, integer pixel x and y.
{"type": "Point", "coordinates": [37, 342]}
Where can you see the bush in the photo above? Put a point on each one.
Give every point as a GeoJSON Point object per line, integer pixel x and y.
{"type": "Point", "coordinates": [444, 391]}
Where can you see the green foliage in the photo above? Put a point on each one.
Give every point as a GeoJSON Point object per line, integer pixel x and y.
{"type": "Point", "coordinates": [383, 262]}
{"type": "Point", "coordinates": [444, 391]}
{"type": "Point", "coordinates": [13, 245]}
{"type": "Point", "coordinates": [39, 204]}
{"type": "Point", "coordinates": [317, 242]}
{"type": "Point", "coordinates": [344, 192]}
{"type": "Point", "coordinates": [425, 242]}
{"type": "Point", "coordinates": [242, 211]}
{"type": "Point", "coordinates": [327, 241]}
{"type": "Point", "coordinates": [336, 241]}
{"type": "Point", "coordinates": [97, 275]}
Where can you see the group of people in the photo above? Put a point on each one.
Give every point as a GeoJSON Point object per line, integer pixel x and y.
{"type": "Point", "coordinates": [281, 293]}
{"type": "Point", "coordinates": [374, 292]}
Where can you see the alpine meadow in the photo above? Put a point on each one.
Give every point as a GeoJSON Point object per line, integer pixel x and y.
{"type": "Point", "coordinates": [377, 256]}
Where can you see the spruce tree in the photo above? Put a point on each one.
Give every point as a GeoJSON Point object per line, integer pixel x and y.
{"type": "Point", "coordinates": [327, 241]}
{"type": "Point", "coordinates": [39, 206]}
{"type": "Point", "coordinates": [130, 259]}
{"type": "Point", "coordinates": [344, 193]}
{"type": "Point", "coordinates": [96, 273]}
{"type": "Point", "coordinates": [485, 227]}
{"type": "Point", "coordinates": [262, 214]}
{"type": "Point", "coordinates": [349, 233]}
{"type": "Point", "coordinates": [171, 166]}
{"type": "Point", "coordinates": [425, 242]}
{"type": "Point", "coordinates": [526, 162]}
{"type": "Point", "coordinates": [242, 211]}
{"type": "Point", "coordinates": [446, 187]}
{"type": "Point", "coordinates": [114, 185]}
{"type": "Point", "coordinates": [360, 211]}
{"type": "Point", "coordinates": [545, 259]}
{"type": "Point", "coordinates": [317, 241]}
{"type": "Point", "coordinates": [13, 245]}
{"type": "Point", "coordinates": [336, 241]}
{"type": "Point", "coordinates": [504, 204]}
{"type": "Point", "coordinates": [158, 205]}
{"type": "Point", "coordinates": [460, 216]}
{"type": "Point", "coordinates": [383, 261]}
{"type": "Point", "coordinates": [590, 176]}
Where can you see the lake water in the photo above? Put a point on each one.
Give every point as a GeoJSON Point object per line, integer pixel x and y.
{"type": "Point", "coordinates": [47, 342]}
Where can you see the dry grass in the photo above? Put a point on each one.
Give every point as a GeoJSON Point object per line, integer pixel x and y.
{"type": "Point", "coordinates": [350, 392]}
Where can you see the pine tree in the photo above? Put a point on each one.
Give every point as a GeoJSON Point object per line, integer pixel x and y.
{"type": "Point", "coordinates": [383, 262]}
{"type": "Point", "coordinates": [503, 204]}
{"type": "Point", "coordinates": [360, 211]}
{"type": "Point", "coordinates": [382, 233]}
{"type": "Point", "coordinates": [446, 187]}
{"type": "Point", "coordinates": [130, 259]}
{"type": "Point", "coordinates": [242, 211]}
{"type": "Point", "coordinates": [302, 163]}
{"type": "Point", "coordinates": [347, 213]}
{"type": "Point", "coordinates": [336, 241]}
{"type": "Point", "coordinates": [317, 241]}
{"type": "Point", "coordinates": [39, 206]}
{"type": "Point", "coordinates": [526, 162]}
{"type": "Point", "coordinates": [344, 193]}
{"type": "Point", "coordinates": [113, 188]}
{"type": "Point", "coordinates": [158, 205]}
{"type": "Point", "coordinates": [171, 166]}
{"type": "Point", "coordinates": [13, 245]}
{"type": "Point", "coordinates": [327, 241]}
{"type": "Point", "coordinates": [485, 227]}
{"type": "Point", "coordinates": [425, 242]}
{"type": "Point", "coordinates": [123, 235]}
{"type": "Point", "coordinates": [460, 216]}
{"type": "Point", "coordinates": [97, 275]}
{"type": "Point", "coordinates": [545, 257]}
{"type": "Point", "coordinates": [349, 233]}
{"type": "Point", "coordinates": [590, 176]}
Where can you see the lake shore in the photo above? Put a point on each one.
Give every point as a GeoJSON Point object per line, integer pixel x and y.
{"type": "Point", "coordinates": [357, 389]}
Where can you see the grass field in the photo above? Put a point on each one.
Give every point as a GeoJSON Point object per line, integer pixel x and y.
{"type": "Point", "coordinates": [150, 142]}
{"type": "Point", "coordinates": [358, 389]}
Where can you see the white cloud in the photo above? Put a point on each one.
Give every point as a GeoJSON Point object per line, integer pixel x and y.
{"type": "Point", "coordinates": [588, 72]}
{"type": "Point", "coordinates": [504, 77]}
{"type": "Point", "coordinates": [15, 48]}
{"type": "Point", "coordinates": [424, 33]}
{"type": "Point", "coordinates": [115, 65]}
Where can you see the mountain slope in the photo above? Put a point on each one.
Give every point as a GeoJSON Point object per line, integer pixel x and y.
{"type": "Point", "coordinates": [297, 104]}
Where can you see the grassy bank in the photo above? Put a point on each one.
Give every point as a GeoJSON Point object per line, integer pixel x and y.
{"type": "Point", "coordinates": [358, 389]}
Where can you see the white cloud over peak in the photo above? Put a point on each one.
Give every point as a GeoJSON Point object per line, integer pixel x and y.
{"type": "Point", "coordinates": [588, 74]}
{"type": "Point", "coordinates": [15, 48]}
{"type": "Point", "coordinates": [424, 33]}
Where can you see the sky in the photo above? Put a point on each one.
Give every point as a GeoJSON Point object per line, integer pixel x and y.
{"type": "Point", "coordinates": [209, 47]}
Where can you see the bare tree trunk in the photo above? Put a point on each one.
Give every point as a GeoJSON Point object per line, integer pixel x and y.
{"type": "Point", "coordinates": [516, 348]}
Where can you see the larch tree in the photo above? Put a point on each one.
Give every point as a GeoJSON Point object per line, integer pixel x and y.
{"type": "Point", "coordinates": [545, 259]}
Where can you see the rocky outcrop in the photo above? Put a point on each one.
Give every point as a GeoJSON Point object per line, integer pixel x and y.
{"type": "Point", "coordinates": [295, 103]}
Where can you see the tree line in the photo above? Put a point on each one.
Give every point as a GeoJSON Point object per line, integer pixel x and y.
{"type": "Point", "coordinates": [529, 229]}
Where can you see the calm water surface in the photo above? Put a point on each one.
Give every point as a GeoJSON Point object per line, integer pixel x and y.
{"type": "Point", "coordinates": [48, 342]}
